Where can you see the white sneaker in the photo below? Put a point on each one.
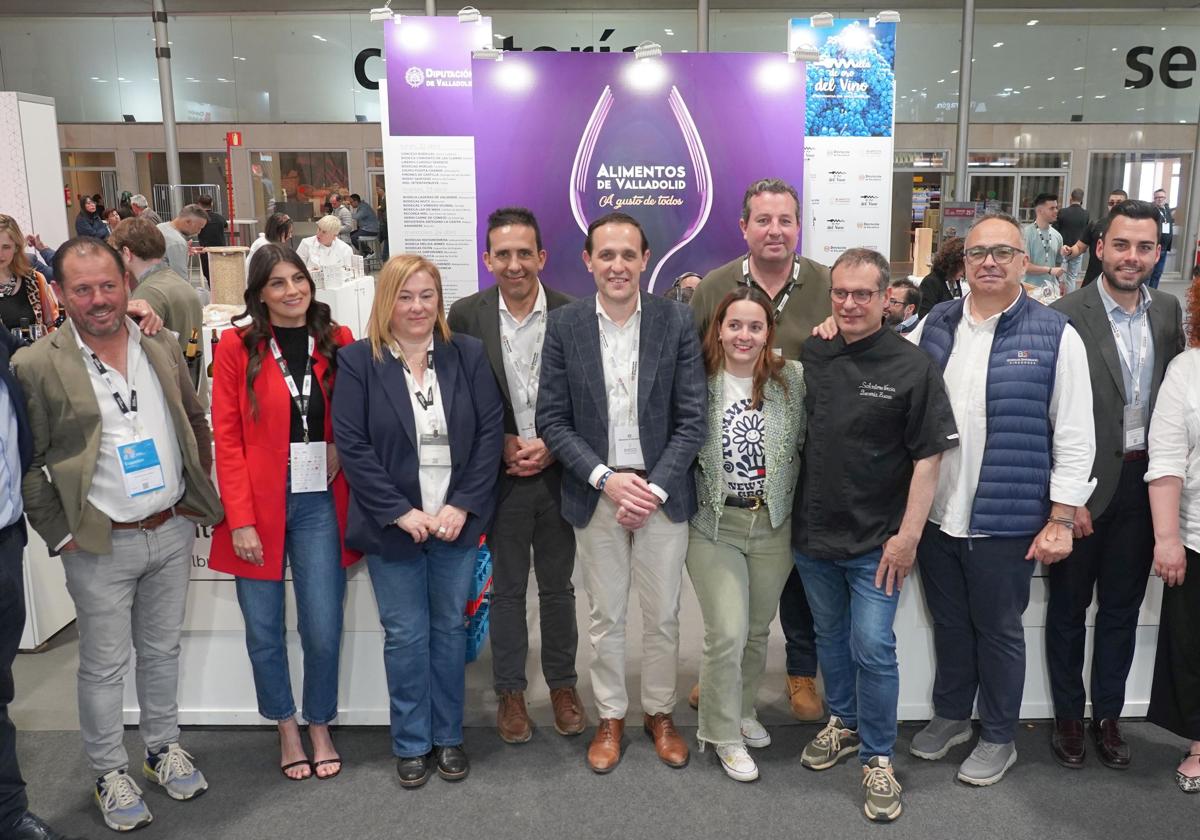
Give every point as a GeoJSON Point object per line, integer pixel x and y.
{"type": "Point", "coordinates": [737, 763]}
{"type": "Point", "coordinates": [754, 734]}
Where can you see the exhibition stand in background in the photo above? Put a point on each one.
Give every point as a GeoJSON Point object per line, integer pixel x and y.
{"type": "Point", "coordinates": [674, 140]}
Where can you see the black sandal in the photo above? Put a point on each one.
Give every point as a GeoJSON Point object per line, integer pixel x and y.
{"type": "Point", "coordinates": [302, 763]}
{"type": "Point", "coordinates": [323, 761]}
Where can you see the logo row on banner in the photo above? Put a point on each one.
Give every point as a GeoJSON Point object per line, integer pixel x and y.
{"type": "Point", "coordinates": [673, 140]}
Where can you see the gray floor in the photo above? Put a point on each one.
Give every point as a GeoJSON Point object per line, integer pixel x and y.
{"type": "Point", "coordinates": [543, 789]}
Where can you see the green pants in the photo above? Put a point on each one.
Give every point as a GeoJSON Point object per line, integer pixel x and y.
{"type": "Point", "coordinates": [738, 578]}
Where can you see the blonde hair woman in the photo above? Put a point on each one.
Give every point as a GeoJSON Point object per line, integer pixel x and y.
{"type": "Point", "coordinates": [24, 293]}
{"type": "Point", "coordinates": [417, 422]}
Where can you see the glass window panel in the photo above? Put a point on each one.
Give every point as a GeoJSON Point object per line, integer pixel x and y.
{"type": "Point", "coordinates": [297, 183]}
{"type": "Point", "coordinates": [70, 59]}
{"type": "Point", "coordinates": [366, 35]}
{"type": "Point", "coordinates": [294, 68]}
{"type": "Point", "coordinates": [374, 159]}
{"type": "Point", "coordinates": [202, 67]}
{"type": "Point", "coordinates": [616, 31]}
{"type": "Point", "coordinates": [138, 69]}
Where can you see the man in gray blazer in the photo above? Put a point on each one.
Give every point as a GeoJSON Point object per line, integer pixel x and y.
{"type": "Point", "coordinates": [1131, 332]}
{"type": "Point", "coordinates": [622, 404]}
{"type": "Point", "coordinates": [510, 319]}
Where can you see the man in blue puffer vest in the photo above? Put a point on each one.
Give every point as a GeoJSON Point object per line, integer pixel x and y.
{"type": "Point", "coordinates": [1017, 376]}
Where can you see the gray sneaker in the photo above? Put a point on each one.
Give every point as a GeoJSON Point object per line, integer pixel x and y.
{"type": "Point", "coordinates": [173, 770]}
{"type": "Point", "coordinates": [881, 789]}
{"type": "Point", "coordinates": [120, 801]}
{"type": "Point", "coordinates": [831, 743]}
{"type": "Point", "coordinates": [938, 736]}
{"type": "Point", "coordinates": [987, 763]}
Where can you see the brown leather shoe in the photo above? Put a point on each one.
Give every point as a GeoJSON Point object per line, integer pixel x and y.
{"type": "Point", "coordinates": [667, 741]}
{"type": "Point", "coordinates": [604, 753]}
{"type": "Point", "coordinates": [1066, 741]}
{"type": "Point", "coordinates": [806, 701]}
{"type": "Point", "coordinates": [568, 711]}
{"type": "Point", "coordinates": [694, 697]}
{"type": "Point", "coordinates": [1111, 746]}
{"type": "Point", "coordinates": [512, 719]}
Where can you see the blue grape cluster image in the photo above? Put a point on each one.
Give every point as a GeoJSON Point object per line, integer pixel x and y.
{"type": "Point", "coordinates": [856, 54]}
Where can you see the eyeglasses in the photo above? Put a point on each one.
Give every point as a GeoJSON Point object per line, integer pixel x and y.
{"type": "Point", "coordinates": [894, 302]}
{"type": "Point", "coordinates": [1002, 254]}
{"type": "Point", "coordinates": [860, 296]}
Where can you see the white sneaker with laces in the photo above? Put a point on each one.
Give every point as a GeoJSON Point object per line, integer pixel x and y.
{"type": "Point", "coordinates": [120, 801]}
{"type": "Point", "coordinates": [737, 763]}
{"type": "Point", "coordinates": [754, 734]}
{"type": "Point", "coordinates": [174, 771]}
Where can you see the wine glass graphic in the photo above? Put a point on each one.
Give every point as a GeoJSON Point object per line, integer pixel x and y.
{"type": "Point", "coordinates": [642, 137]}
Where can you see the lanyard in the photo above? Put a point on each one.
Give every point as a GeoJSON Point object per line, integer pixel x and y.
{"type": "Point", "coordinates": [787, 292]}
{"type": "Point", "coordinates": [301, 397]}
{"type": "Point", "coordinates": [615, 366]}
{"type": "Point", "coordinates": [1135, 373]}
{"type": "Point", "coordinates": [128, 409]}
{"type": "Point", "coordinates": [428, 398]}
{"type": "Point", "coordinates": [529, 386]}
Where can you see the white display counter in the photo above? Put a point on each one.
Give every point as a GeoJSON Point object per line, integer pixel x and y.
{"type": "Point", "coordinates": [48, 606]}
{"type": "Point", "coordinates": [216, 686]}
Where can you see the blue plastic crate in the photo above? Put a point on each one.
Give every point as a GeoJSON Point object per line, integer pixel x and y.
{"type": "Point", "coordinates": [481, 581]}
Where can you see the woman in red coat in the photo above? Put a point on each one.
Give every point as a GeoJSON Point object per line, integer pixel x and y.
{"type": "Point", "coordinates": [285, 498]}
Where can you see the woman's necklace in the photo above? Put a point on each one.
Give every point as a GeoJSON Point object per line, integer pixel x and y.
{"type": "Point", "coordinates": [10, 285]}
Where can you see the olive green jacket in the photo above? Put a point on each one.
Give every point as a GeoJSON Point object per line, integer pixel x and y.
{"type": "Point", "coordinates": [784, 424]}
{"type": "Point", "coordinates": [64, 418]}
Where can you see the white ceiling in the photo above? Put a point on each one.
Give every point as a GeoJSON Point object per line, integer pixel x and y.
{"type": "Point", "coordinates": [43, 8]}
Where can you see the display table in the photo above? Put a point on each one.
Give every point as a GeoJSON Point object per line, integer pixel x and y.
{"type": "Point", "coordinates": [48, 606]}
{"type": "Point", "coordinates": [216, 685]}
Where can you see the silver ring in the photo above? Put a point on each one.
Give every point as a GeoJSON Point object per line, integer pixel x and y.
{"type": "Point", "coordinates": [442, 530]}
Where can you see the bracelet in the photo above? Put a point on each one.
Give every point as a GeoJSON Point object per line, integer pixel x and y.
{"type": "Point", "coordinates": [603, 480]}
{"type": "Point", "coordinates": [1062, 520]}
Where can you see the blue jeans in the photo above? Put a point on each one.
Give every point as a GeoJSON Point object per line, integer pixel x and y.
{"type": "Point", "coordinates": [976, 591]}
{"type": "Point", "coordinates": [421, 597]}
{"type": "Point", "coordinates": [856, 645]}
{"type": "Point", "coordinates": [1156, 275]}
{"type": "Point", "coordinates": [313, 550]}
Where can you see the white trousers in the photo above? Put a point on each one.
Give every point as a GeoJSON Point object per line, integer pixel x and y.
{"type": "Point", "coordinates": [651, 559]}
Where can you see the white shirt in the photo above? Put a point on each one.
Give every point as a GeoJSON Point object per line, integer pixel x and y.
{"type": "Point", "coordinates": [1073, 444]}
{"type": "Point", "coordinates": [618, 364]}
{"type": "Point", "coordinates": [315, 254]}
{"type": "Point", "coordinates": [11, 506]}
{"type": "Point", "coordinates": [743, 436]}
{"type": "Point", "coordinates": [1175, 439]}
{"type": "Point", "coordinates": [521, 343]}
{"type": "Point", "coordinates": [254, 246]}
{"type": "Point", "coordinates": [434, 481]}
{"type": "Point", "coordinates": [107, 493]}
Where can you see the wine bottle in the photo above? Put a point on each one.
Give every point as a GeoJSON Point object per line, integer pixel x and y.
{"type": "Point", "coordinates": [192, 355]}
{"type": "Point", "coordinates": [212, 348]}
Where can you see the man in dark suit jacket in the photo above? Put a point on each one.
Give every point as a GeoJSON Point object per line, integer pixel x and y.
{"type": "Point", "coordinates": [1166, 235]}
{"type": "Point", "coordinates": [622, 404]}
{"type": "Point", "coordinates": [1131, 333]}
{"type": "Point", "coordinates": [510, 319]}
{"type": "Point", "coordinates": [15, 450]}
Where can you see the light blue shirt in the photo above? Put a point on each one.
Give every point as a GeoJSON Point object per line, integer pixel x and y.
{"type": "Point", "coordinates": [11, 506]}
{"type": "Point", "coordinates": [1130, 328]}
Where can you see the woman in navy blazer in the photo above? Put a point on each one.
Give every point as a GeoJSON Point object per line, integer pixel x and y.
{"type": "Point", "coordinates": [417, 422]}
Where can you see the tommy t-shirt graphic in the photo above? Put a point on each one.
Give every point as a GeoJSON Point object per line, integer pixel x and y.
{"type": "Point", "coordinates": [743, 436]}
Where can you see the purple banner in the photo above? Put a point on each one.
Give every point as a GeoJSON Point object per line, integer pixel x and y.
{"type": "Point", "coordinates": [673, 141]}
{"type": "Point", "coordinates": [429, 74]}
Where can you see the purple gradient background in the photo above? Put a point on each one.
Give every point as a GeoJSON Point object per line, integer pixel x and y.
{"type": "Point", "coordinates": [445, 44]}
{"type": "Point", "coordinates": [525, 145]}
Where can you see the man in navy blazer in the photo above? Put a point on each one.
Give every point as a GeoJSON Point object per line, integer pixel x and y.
{"type": "Point", "coordinates": [622, 404]}
{"type": "Point", "coordinates": [16, 451]}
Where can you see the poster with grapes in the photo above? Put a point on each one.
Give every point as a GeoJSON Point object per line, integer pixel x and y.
{"type": "Point", "coordinates": [850, 116]}
{"type": "Point", "coordinates": [672, 140]}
